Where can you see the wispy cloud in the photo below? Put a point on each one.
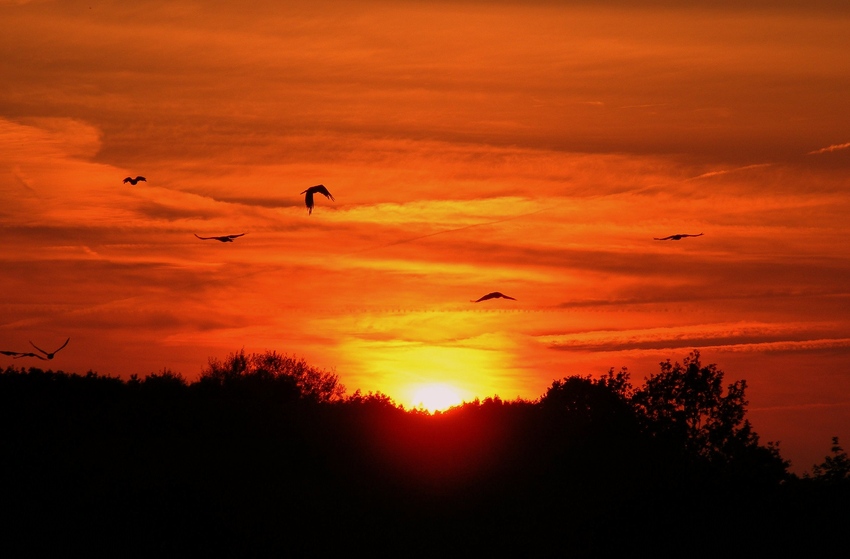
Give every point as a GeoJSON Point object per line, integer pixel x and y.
{"type": "Point", "coordinates": [728, 171]}
{"type": "Point", "coordinates": [828, 149]}
{"type": "Point", "coordinates": [803, 407]}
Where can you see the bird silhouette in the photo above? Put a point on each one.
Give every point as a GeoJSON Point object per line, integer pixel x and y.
{"type": "Point", "coordinates": [46, 354]}
{"type": "Point", "coordinates": [133, 181]}
{"type": "Point", "coordinates": [676, 237]}
{"type": "Point", "coordinates": [320, 188]}
{"type": "Point", "coordinates": [222, 238]}
{"type": "Point", "coordinates": [14, 354]}
{"type": "Point", "coordinates": [29, 354]}
{"type": "Point", "coordinates": [494, 295]}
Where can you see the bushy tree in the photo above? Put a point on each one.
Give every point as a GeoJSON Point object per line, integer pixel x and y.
{"type": "Point", "coordinates": [271, 374]}
{"type": "Point", "coordinates": [580, 410]}
{"type": "Point", "coordinates": [686, 405]}
{"type": "Point", "coordinates": [371, 399]}
{"type": "Point", "coordinates": [835, 468]}
{"type": "Point", "coordinates": [582, 399]}
{"type": "Point", "coordinates": [166, 377]}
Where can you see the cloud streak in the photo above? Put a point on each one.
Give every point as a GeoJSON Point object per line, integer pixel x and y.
{"type": "Point", "coordinates": [829, 149]}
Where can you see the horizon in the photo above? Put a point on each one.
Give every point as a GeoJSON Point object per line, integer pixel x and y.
{"type": "Point", "coordinates": [533, 150]}
{"type": "Point", "coordinates": [431, 398]}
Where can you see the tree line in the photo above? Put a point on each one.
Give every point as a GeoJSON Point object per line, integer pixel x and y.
{"type": "Point", "coordinates": [264, 454]}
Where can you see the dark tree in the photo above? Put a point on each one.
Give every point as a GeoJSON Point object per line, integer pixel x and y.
{"type": "Point", "coordinates": [271, 375]}
{"type": "Point", "coordinates": [584, 402]}
{"type": "Point", "coordinates": [835, 468]}
{"type": "Point", "coordinates": [686, 406]}
{"type": "Point", "coordinates": [687, 402]}
{"type": "Point", "coordinates": [165, 378]}
{"type": "Point", "coordinates": [265, 455]}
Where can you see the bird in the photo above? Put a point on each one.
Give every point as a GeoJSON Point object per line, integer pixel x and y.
{"type": "Point", "coordinates": [48, 355]}
{"type": "Point", "coordinates": [29, 354]}
{"type": "Point", "coordinates": [676, 237]}
{"type": "Point", "coordinates": [133, 181]}
{"type": "Point", "coordinates": [494, 295]}
{"type": "Point", "coordinates": [222, 238]}
{"type": "Point", "coordinates": [320, 188]}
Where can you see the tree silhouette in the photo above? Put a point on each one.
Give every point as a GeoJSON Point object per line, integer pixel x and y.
{"type": "Point", "coordinates": [686, 402]}
{"type": "Point", "coordinates": [271, 375]}
{"type": "Point", "coordinates": [586, 404]}
{"type": "Point", "coordinates": [835, 468]}
{"type": "Point", "coordinates": [265, 455]}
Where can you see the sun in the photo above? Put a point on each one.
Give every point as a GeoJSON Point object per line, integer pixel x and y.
{"type": "Point", "coordinates": [435, 397]}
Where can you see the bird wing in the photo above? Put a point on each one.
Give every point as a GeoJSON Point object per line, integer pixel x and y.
{"type": "Point", "coordinates": [205, 238]}
{"type": "Point", "coordinates": [128, 179]}
{"type": "Point", "coordinates": [63, 345]}
{"type": "Point", "coordinates": [309, 199]}
{"type": "Point", "coordinates": [141, 179]}
{"type": "Point", "coordinates": [39, 349]}
{"type": "Point", "coordinates": [506, 297]}
{"type": "Point", "coordinates": [234, 236]}
{"type": "Point", "coordinates": [664, 238]}
{"type": "Point", "coordinates": [19, 355]}
{"type": "Point", "coordinates": [10, 352]}
{"type": "Point", "coordinates": [321, 189]}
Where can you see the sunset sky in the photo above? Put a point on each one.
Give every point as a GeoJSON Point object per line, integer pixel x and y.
{"type": "Point", "coordinates": [530, 148]}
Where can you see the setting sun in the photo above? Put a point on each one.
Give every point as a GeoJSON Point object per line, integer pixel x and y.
{"type": "Point", "coordinates": [435, 397]}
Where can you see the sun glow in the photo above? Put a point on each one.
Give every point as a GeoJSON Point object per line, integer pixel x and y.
{"type": "Point", "coordinates": [435, 397]}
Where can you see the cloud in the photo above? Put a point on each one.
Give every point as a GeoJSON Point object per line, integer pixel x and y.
{"type": "Point", "coordinates": [729, 337]}
{"type": "Point", "coordinates": [168, 212]}
{"type": "Point", "coordinates": [447, 231]}
{"type": "Point", "coordinates": [828, 149]}
{"type": "Point", "coordinates": [728, 171]}
{"type": "Point", "coordinates": [803, 407]}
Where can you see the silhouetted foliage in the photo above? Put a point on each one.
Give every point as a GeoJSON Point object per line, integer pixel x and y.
{"type": "Point", "coordinates": [835, 468]}
{"type": "Point", "coordinates": [584, 402]}
{"type": "Point", "coordinates": [166, 379]}
{"type": "Point", "coordinates": [271, 375]}
{"type": "Point", "coordinates": [375, 399]}
{"type": "Point", "coordinates": [687, 404]}
{"type": "Point", "coordinates": [266, 455]}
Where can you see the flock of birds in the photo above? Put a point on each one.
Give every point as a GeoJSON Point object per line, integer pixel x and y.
{"type": "Point", "coordinates": [310, 203]}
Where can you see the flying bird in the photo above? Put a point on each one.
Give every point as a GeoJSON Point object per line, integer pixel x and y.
{"type": "Point", "coordinates": [133, 181]}
{"type": "Point", "coordinates": [494, 295]}
{"type": "Point", "coordinates": [223, 238]}
{"type": "Point", "coordinates": [14, 354]}
{"type": "Point", "coordinates": [29, 354]}
{"type": "Point", "coordinates": [320, 188]}
{"type": "Point", "coordinates": [676, 237]}
{"type": "Point", "coordinates": [46, 354]}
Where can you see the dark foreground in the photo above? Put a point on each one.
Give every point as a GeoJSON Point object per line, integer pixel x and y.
{"type": "Point", "coordinates": [265, 456]}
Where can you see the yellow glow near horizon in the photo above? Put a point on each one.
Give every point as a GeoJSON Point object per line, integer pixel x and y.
{"type": "Point", "coordinates": [465, 364]}
{"type": "Point", "coordinates": [435, 397]}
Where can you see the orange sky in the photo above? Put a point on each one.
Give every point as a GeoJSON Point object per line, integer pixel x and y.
{"type": "Point", "coordinates": [530, 148]}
